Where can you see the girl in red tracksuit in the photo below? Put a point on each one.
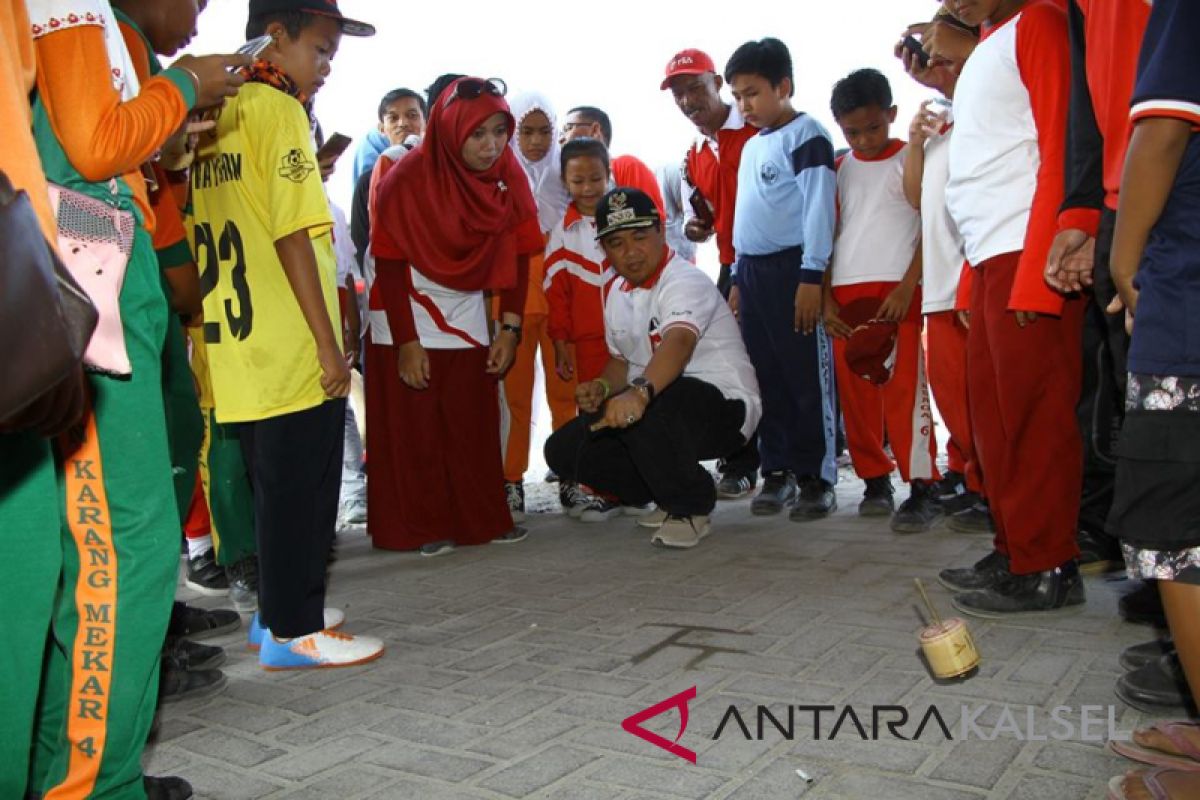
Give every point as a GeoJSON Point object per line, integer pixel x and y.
{"type": "Point", "coordinates": [576, 272]}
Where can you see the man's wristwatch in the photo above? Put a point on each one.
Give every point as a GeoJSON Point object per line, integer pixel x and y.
{"type": "Point", "coordinates": [645, 387]}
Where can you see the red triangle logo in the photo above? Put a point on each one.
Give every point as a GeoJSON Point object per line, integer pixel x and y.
{"type": "Point", "coordinates": [633, 724]}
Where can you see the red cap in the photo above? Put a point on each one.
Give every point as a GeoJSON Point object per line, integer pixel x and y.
{"type": "Point", "coordinates": [688, 62]}
{"type": "Point", "coordinates": [871, 350]}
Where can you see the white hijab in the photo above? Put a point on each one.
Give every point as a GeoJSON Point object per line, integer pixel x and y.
{"type": "Point", "coordinates": [49, 16]}
{"type": "Point", "coordinates": [545, 176]}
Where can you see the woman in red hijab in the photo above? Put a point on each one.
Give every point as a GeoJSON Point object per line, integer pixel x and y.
{"type": "Point", "coordinates": [454, 219]}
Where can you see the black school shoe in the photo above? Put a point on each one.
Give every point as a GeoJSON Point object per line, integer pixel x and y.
{"type": "Point", "coordinates": [205, 576]}
{"type": "Point", "coordinates": [166, 788]}
{"type": "Point", "coordinates": [1143, 606]}
{"type": "Point", "coordinates": [1098, 553]}
{"type": "Point", "coordinates": [816, 500]}
{"type": "Point", "coordinates": [193, 656]}
{"type": "Point", "coordinates": [1053, 590]}
{"type": "Point", "coordinates": [1139, 655]}
{"type": "Point", "coordinates": [976, 519]}
{"type": "Point", "coordinates": [778, 490]}
{"type": "Point", "coordinates": [189, 622]}
{"type": "Point", "coordinates": [920, 511]}
{"type": "Point", "coordinates": [984, 573]}
{"type": "Point", "coordinates": [952, 492]}
{"type": "Point", "coordinates": [177, 683]}
{"type": "Point", "coordinates": [877, 498]}
{"type": "Point", "coordinates": [1156, 687]}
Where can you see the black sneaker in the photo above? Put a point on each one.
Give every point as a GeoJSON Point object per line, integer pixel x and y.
{"type": "Point", "coordinates": [194, 657]}
{"type": "Point", "coordinates": [920, 511]}
{"type": "Point", "coordinates": [1051, 591]}
{"type": "Point", "coordinates": [243, 584]}
{"type": "Point", "coordinates": [1156, 686]}
{"type": "Point", "coordinates": [778, 490]}
{"type": "Point", "coordinates": [442, 547]}
{"type": "Point", "coordinates": [205, 576]}
{"type": "Point", "coordinates": [189, 622]}
{"type": "Point", "coordinates": [514, 491]}
{"type": "Point", "coordinates": [817, 500]}
{"type": "Point", "coordinates": [1139, 655]}
{"type": "Point", "coordinates": [952, 492]}
{"type": "Point", "coordinates": [982, 574]}
{"type": "Point", "coordinates": [551, 476]}
{"type": "Point", "coordinates": [877, 498]}
{"type": "Point", "coordinates": [166, 788]}
{"type": "Point", "coordinates": [1143, 606]}
{"type": "Point", "coordinates": [976, 519]}
{"type": "Point", "coordinates": [732, 486]}
{"type": "Point", "coordinates": [517, 534]}
{"type": "Point", "coordinates": [1098, 553]}
{"type": "Point", "coordinates": [177, 683]}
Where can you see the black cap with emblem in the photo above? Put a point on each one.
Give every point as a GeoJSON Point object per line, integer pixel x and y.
{"type": "Point", "coordinates": [623, 208]}
{"type": "Point", "coordinates": [323, 8]}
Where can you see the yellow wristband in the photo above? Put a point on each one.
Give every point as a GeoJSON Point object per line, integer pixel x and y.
{"type": "Point", "coordinates": [607, 388]}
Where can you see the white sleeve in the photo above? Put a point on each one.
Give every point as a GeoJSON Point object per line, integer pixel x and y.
{"type": "Point", "coordinates": [689, 299]}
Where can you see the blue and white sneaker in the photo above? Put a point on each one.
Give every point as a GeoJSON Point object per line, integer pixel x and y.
{"type": "Point", "coordinates": [334, 619]}
{"type": "Point", "coordinates": [320, 650]}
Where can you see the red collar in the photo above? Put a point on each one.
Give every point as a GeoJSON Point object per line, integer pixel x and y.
{"type": "Point", "coordinates": [573, 215]}
{"type": "Point", "coordinates": [893, 146]}
{"type": "Point", "coordinates": [652, 281]}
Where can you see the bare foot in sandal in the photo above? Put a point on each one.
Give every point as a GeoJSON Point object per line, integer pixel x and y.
{"type": "Point", "coordinates": [1170, 784]}
{"type": "Point", "coordinates": [1184, 743]}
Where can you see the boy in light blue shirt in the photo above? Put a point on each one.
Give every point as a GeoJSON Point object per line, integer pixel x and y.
{"type": "Point", "coordinates": [783, 232]}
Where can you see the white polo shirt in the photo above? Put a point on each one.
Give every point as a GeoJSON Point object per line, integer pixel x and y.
{"type": "Point", "coordinates": [636, 318]}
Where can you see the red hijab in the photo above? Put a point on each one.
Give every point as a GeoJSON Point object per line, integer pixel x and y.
{"type": "Point", "coordinates": [460, 228]}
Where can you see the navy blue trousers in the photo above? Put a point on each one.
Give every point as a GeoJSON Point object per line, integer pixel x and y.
{"type": "Point", "coordinates": [795, 370]}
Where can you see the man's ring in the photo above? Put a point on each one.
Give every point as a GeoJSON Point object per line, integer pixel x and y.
{"type": "Point", "coordinates": [630, 420]}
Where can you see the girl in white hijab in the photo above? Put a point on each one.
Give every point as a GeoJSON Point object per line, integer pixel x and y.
{"type": "Point", "coordinates": [536, 146]}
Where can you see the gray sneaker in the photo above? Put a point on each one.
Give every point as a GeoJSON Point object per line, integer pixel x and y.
{"type": "Point", "coordinates": [778, 490]}
{"type": "Point", "coordinates": [243, 584]}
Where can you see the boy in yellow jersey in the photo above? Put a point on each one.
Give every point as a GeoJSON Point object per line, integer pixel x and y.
{"type": "Point", "coordinates": [261, 233]}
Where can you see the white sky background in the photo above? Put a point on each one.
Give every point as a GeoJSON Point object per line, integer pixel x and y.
{"type": "Point", "coordinates": [585, 53]}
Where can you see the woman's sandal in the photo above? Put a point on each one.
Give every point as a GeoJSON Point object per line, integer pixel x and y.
{"type": "Point", "coordinates": [1151, 779]}
{"type": "Point", "coordinates": [1189, 761]}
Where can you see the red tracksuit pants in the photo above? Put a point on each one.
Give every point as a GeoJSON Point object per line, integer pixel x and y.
{"type": "Point", "coordinates": [899, 407]}
{"type": "Point", "coordinates": [1023, 387]}
{"type": "Point", "coordinates": [946, 346]}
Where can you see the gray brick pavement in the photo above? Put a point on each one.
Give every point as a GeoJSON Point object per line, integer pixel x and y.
{"type": "Point", "coordinates": [509, 670]}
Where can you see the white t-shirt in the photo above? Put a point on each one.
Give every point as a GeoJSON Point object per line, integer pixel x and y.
{"type": "Point", "coordinates": [877, 230]}
{"type": "Point", "coordinates": [637, 318]}
{"type": "Point", "coordinates": [941, 243]}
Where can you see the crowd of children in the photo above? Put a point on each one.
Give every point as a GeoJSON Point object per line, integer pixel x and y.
{"type": "Point", "coordinates": [859, 288]}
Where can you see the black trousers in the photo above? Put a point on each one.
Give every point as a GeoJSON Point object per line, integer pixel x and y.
{"type": "Point", "coordinates": [1101, 409]}
{"type": "Point", "coordinates": [295, 466]}
{"type": "Point", "coordinates": [657, 459]}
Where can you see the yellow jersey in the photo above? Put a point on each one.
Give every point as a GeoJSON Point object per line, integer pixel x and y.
{"type": "Point", "coordinates": [256, 184]}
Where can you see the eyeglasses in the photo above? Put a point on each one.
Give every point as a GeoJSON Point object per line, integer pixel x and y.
{"type": "Point", "coordinates": [471, 88]}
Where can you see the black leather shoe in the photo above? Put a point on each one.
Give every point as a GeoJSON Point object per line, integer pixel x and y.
{"type": "Point", "coordinates": [877, 498]}
{"type": "Point", "coordinates": [1140, 655]}
{"type": "Point", "coordinates": [817, 500]}
{"type": "Point", "coordinates": [919, 512]}
{"type": "Point", "coordinates": [1052, 591]}
{"type": "Point", "coordinates": [176, 683]}
{"type": "Point", "coordinates": [1155, 686]}
{"type": "Point", "coordinates": [778, 490]}
{"type": "Point", "coordinates": [189, 622]}
{"type": "Point", "coordinates": [192, 656]}
{"type": "Point", "coordinates": [982, 574]}
{"type": "Point", "coordinates": [976, 519]}
{"type": "Point", "coordinates": [1143, 606]}
{"type": "Point", "coordinates": [1098, 553]}
{"type": "Point", "coordinates": [166, 788]}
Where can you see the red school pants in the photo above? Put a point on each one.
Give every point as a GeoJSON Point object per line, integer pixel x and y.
{"type": "Point", "coordinates": [946, 343]}
{"type": "Point", "coordinates": [900, 407]}
{"type": "Point", "coordinates": [1023, 384]}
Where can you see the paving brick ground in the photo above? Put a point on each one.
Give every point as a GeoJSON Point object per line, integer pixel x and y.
{"type": "Point", "coordinates": [510, 668]}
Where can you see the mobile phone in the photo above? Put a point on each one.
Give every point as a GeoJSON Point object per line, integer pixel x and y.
{"type": "Point", "coordinates": [701, 208]}
{"type": "Point", "coordinates": [913, 45]}
{"type": "Point", "coordinates": [334, 146]}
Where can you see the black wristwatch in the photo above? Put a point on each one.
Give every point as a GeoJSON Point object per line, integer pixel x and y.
{"type": "Point", "coordinates": [515, 330]}
{"type": "Point", "coordinates": [646, 386]}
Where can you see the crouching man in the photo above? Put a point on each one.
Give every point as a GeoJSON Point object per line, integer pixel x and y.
{"type": "Point", "coordinates": [678, 389]}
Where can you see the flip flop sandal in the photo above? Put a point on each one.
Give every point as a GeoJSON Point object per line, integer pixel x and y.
{"type": "Point", "coordinates": [1188, 762]}
{"type": "Point", "coordinates": [1149, 779]}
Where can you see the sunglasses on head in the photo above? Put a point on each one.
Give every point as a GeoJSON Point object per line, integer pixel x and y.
{"type": "Point", "coordinates": [471, 88]}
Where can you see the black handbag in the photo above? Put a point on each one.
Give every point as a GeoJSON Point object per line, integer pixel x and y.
{"type": "Point", "coordinates": [46, 320]}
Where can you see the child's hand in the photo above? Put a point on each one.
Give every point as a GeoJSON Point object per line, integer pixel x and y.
{"type": "Point", "coordinates": [1071, 261]}
{"type": "Point", "coordinates": [1118, 305]}
{"type": "Point", "coordinates": [1025, 318]}
{"type": "Point", "coordinates": [964, 318]}
{"type": "Point", "coordinates": [563, 365]}
{"type": "Point", "coordinates": [735, 301]}
{"type": "Point", "coordinates": [502, 353]}
{"type": "Point", "coordinates": [835, 325]}
{"type": "Point", "coordinates": [335, 375]}
{"type": "Point", "coordinates": [895, 306]}
{"type": "Point", "coordinates": [414, 365]}
{"type": "Point", "coordinates": [590, 396]}
{"type": "Point", "coordinates": [808, 307]}
{"type": "Point", "coordinates": [696, 231]}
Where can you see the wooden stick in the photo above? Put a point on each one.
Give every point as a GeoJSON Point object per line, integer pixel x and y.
{"type": "Point", "coordinates": [932, 611]}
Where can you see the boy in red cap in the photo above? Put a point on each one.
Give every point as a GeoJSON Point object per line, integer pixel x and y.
{"type": "Point", "coordinates": [710, 183]}
{"type": "Point", "coordinates": [876, 256]}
